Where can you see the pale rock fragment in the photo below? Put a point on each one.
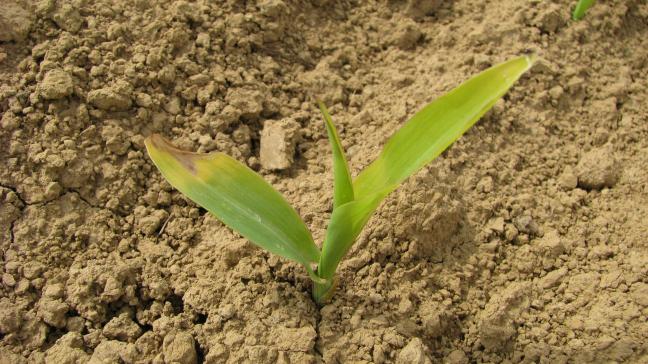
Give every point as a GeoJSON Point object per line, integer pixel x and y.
{"type": "Point", "coordinates": [413, 353]}
{"type": "Point", "coordinates": [179, 347]}
{"type": "Point", "coordinates": [419, 8]}
{"type": "Point", "coordinates": [53, 311]}
{"type": "Point", "coordinates": [456, 357]}
{"type": "Point", "coordinates": [527, 225]}
{"type": "Point", "coordinates": [54, 291]}
{"type": "Point", "coordinates": [606, 110]}
{"type": "Point", "coordinates": [150, 224]}
{"type": "Point", "coordinates": [497, 320]}
{"type": "Point", "coordinates": [553, 278]}
{"type": "Point", "coordinates": [9, 121]}
{"type": "Point", "coordinates": [272, 8]}
{"type": "Point", "coordinates": [15, 22]}
{"type": "Point", "coordinates": [639, 293]}
{"type": "Point", "coordinates": [33, 332]}
{"type": "Point", "coordinates": [583, 284]}
{"type": "Point", "coordinates": [75, 324]}
{"type": "Point", "coordinates": [112, 98]}
{"type": "Point", "coordinates": [173, 106]}
{"type": "Point", "coordinates": [611, 279]}
{"type": "Point", "coordinates": [113, 351]}
{"type": "Point", "coordinates": [568, 179]}
{"type": "Point", "coordinates": [68, 18]}
{"type": "Point", "coordinates": [122, 328]}
{"type": "Point", "coordinates": [598, 169]}
{"type": "Point", "coordinates": [249, 102]}
{"type": "Point", "coordinates": [550, 19]}
{"type": "Point", "coordinates": [10, 317]}
{"type": "Point", "coordinates": [148, 343]}
{"type": "Point", "coordinates": [406, 34]}
{"type": "Point", "coordinates": [496, 225]}
{"type": "Point", "coordinates": [278, 140]}
{"type": "Point", "coordinates": [8, 280]}
{"type": "Point", "coordinates": [67, 349]}
{"type": "Point", "coordinates": [143, 99]}
{"type": "Point", "coordinates": [113, 289]}
{"type": "Point", "coordinates": [113, 135]}
{"type": "Point", "coordinates": [551, 244]}
{"type": "Point", "coordinates": [56, 84]}
{"type": "Point", "coordinates": [295, 339]}
{"type": "Point", "coordinates": [203, 40]}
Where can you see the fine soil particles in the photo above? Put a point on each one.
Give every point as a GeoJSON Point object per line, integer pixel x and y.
{"type": "Point", "coordinates": [525, 242]}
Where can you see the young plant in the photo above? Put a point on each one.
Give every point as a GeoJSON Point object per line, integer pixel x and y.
{"type": "Point", "coordinates": [581, 9]}
{"type": "Point", "coordinates": [246, 203]}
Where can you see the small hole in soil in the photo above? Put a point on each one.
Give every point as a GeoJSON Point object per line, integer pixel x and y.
{"type": "Point", "coordinates": [177, 303]}
{"type": "Point", "coordinates": [200, 318]}
{"type": "Point", "coordinates": [54, 335]}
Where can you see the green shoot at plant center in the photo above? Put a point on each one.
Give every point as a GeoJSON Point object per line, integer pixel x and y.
{"type": "Point", "coordinates": [249, 205]}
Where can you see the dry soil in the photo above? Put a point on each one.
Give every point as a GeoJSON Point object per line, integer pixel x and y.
{"type": "Point", "coordinates": [526, 242]}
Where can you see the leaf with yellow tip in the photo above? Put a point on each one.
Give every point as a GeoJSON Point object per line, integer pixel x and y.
{"type": "Point", "coordinates": [239, 197]}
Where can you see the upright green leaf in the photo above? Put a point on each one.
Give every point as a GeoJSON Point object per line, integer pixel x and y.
{"type": "Point", "coordinates": [581, 8]}
{"type": "Point", "coordinates": [428, 133]}
{"type": "Point", "coordinates": [238, 197]}
{"type": "Point", "coordinates": [343, 188]}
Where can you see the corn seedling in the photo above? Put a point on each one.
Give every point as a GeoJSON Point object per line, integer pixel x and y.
{"type": "Point", "coordinates": [245, 202]}
{"type": "Point", "coordinates": [581, 9]}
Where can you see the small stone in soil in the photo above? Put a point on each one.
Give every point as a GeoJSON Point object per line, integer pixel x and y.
{"type": "Point", "coordinates": [56, 85]}
{"type": "Point", "coordinates": [413, 353]}
{"type": "Point", "coordinates": [278, 140]}
{"type": "Point", "coordinates": [598, 169]}
{"type": "Point", "coordinates": [180, 348]}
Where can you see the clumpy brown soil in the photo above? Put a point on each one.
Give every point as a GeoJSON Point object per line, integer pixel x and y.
{"type": "Point", "coordinates": [525, 242]}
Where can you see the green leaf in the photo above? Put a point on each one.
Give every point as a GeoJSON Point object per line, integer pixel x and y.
{"type": "Point", "coordinates": [238, 197]}
{"type": "Point", "coordinates": [428, 133]}
{"type": "Point", "coordinates": [581, 8]}
{"type": "Point", "coordinates": [346, 224]}
{"type": "Point", "coordinates": [343, 192]}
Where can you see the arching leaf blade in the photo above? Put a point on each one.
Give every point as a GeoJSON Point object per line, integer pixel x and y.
{"type": "Point", "coordinates": [237, 196]}
{"type": "Point", "coordinates": [434, 128]}
{"type": "Point", "coordinates": [417, 143]}
{"type": "Point", "coordinates": [343, 187]}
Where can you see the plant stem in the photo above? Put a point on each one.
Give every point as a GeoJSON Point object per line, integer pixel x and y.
{"type": "Point", "coordinates": [323, 291]}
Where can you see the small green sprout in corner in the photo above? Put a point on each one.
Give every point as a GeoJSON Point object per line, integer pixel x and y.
{"type": "Point", "coordinates": [249, 205]}
{"type": "Point", "coordinates": [581, 9]}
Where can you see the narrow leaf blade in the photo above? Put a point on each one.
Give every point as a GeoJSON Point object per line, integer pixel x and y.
{"type": "Point", "coordinates": [430, 131]}
{"type": "Point", "coordinates": [343, 187]}
{"type": "Point", "coordinates": [419, 141]}
{"type": "Point", "coordinates": [346, 224]}
{"type": "Point", "coordinates": [238, 197]}
{"type": "Point", "coordinates": [581, 8]}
